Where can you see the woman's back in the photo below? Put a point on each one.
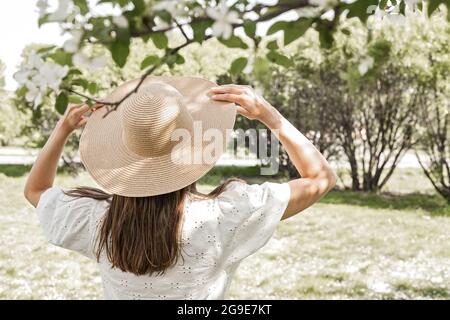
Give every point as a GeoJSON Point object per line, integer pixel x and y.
{"type": "Point", "coordinates": [217, 234]}
{"type": "Point", "coordinates": [146, 219]}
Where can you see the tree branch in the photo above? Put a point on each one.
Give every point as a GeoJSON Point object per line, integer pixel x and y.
{"type": "Point", "coordinates": [112, 106]}
{"type": "Point", "coordinates": [116, 104]}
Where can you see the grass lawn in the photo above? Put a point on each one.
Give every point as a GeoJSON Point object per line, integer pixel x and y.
{"type": "Point", "coordinates": [391, 246]}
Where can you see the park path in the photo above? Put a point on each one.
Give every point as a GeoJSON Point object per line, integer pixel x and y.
{"type": "Point", "coordinates": [18, 155]}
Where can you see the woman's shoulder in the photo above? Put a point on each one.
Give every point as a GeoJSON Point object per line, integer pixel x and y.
{"type": "Point", "coordinates": [243, 196]}
{"type": "Point", "coordinates": [58, 197]}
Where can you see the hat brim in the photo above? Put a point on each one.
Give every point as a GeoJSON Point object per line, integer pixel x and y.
{"type": "Point", "coordinates": [119, 171]}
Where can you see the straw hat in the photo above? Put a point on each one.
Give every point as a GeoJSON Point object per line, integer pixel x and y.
{"type": "Point", "coordinates": [133, 151]}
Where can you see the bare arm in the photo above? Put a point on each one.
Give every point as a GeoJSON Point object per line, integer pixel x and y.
{"type": "Point", "coordinates": [317, 177]}
{"type": "Point", "coordinates": [43, 172]}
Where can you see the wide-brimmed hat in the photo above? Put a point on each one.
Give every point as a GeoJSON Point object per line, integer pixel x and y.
{"type": "Point", "coordinates": [159, 139]}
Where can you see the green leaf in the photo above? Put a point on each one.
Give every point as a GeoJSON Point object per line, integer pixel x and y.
{"type": "Point", "coordinates": [42, 20]}
{"type": "Point", "coordinates": [292, 29]}
{"type": "Point", "coordinates": [75, 99]}
{"type": "Point", "coordinates": [279, 59]}
{"type": "Point", "coordinates": [160, 40]}
{"type": "Point", "coordinates": [277, 26]}
{"type": "Point", "coordinates": [179, 59]}
{"type": "Point", "coordinates": [45, 49]}
{"type": "Point", "coordinates": [151, 59]}
{"type": "Point", "coordinates": [402, 7]}
{"type": "Point", "coordinates": [382, 4]}
{"type": "Point", "coordinates": [122, 3]}
{"type": "Point", "coordinates": [123, 35]}
{"type": "Point", "coordinates": [346, 31]}
{"type": "Point", "coordinates": [238, 65]}
{"type": "Point", "coordinates": [170, 60]}
{"type": "Point", "coordinates": [250, 28]}
{"type": "Point", "coordinates": [61, 102]}
{"type": "Point", "coordinates": [61, 57]}
{"type": "Point", "coordinates": [272, 45]}
{"type": "Point", "coordinates": [233, 42]}
{"type": "Point", "coordinates": [120, 52]}
{"type": "Point", "coordinates": [81, 83]}
{"type": "Point", "coordinates": [74, 72]}
{"type": "Point", "coordinates": [199, 29]}
{"type": "Point", "coordinates": [295, 30]}
{"type": "Point", "coordinates": [164, 15]}
{"type": "Point", "coordinates": [145, 37]}
{"type": "Point", "coordinates": [359, 8]}
{"type": "Point", "coordinates": [325, 36]}
{"type": "Point", "coordinates": [139, 7]}
{"type": "Point", "coordinates": [22, 91]}
{"type": "Point", "coordinates": [92, 88]}
{"type": "Point", "coordinates": [433, 5]}
{"type": "Point", "coordinates": [420, 6]}
{"type": "Point", "coordinates": [82, 5]}
{"type": "Point", "coordinates": [261, 68]}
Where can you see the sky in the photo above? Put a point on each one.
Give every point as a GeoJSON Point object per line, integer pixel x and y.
{"type": "Point", "coordinates": [18, 28]}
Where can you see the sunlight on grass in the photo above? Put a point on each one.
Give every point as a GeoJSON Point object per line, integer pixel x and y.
{"type": "Point", "coordinates": [349, 246]}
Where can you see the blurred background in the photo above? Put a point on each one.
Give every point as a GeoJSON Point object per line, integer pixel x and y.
{"type": "Point", "coordinates": [378, 110]}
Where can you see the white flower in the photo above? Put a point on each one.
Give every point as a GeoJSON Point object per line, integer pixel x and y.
{"type": "Point", "coordinates": [365, 65]}
{"type": "Point", "coordinates": [249, 66]}
{"type": "Point", "coordinates": [21, 76]}
{"type": "Point", "coordinates": [38, 76]}
{"type": "Point", "coordinates": [80, 60]}
{"type": "Point", "coordinates": [34, 96]}
{"type": "Point", "coordinates": [65, 8]}
{"type": "Point", "coordinates": [329, 15]}
{"type": "Point", "coordinates": [379, 286]}
{"type": "Point", "coordinates": [174, 7]}
{"type": "Point", "coordinates": [42, 5]}
{"type": "Point", "coordinates": [411, 4]}
{"type": "Point", "coordinates": [34, 60]}
{"type": "Point", "coordinates": [224, 19]}
{"type": "Point", "coordinates": [98, 63]}
{"type": "Point", "coordinates": [197, 11]}
{"type": "Point", "coordinates": [160, 24]}
{"type": "Point", "coordinates": [52, 74]}
{"type": "Point", "coordinates": [308, 12]}
{"type": "Point", "coordinates": [71, 45]}
{"type": "Point", "coordinates": [120, 21]}
{"type": "Point", "coordinates": [324, 4]}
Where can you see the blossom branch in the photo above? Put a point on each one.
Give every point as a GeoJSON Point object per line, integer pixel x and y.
{"type": "Point", "coordinates": [114, 105]}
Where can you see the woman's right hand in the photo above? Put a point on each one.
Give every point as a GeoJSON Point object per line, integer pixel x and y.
{"type": "Point", "coordinates": [250, 104]}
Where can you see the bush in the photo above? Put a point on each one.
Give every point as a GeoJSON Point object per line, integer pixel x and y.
{"type": "Point", "coordinates": [434, 131]}
{"type": "Point", "coordinates": [361, 105]}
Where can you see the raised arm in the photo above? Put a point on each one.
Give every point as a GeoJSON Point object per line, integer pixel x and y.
{"type": "Point", "coordinates": [42, 174]}
{"type": "Point", "coordinates": [317, 177]}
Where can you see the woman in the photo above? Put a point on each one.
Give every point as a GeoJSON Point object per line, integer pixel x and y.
{"type": "Point", "coordinates": [152, 233]}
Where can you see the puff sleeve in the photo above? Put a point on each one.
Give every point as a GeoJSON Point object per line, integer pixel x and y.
{"type": "Point", "coordinates": [251, 213]}
{"type": "Point", "coordinates": [68, 222]}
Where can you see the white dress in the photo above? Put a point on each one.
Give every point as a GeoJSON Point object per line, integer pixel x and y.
{"type": "Point", "coordinates": [217, 235]}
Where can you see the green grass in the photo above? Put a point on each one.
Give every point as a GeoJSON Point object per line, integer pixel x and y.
{"type": "Point", "coordinates": [431, 203]}
{"type": "Point", "coordinates": [394, 245]}
{"type": "Point", "coordinates": [14, 170]}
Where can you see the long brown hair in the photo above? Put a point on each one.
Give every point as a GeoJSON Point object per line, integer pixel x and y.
{"type": "Point", "coordinates": [142, 235]}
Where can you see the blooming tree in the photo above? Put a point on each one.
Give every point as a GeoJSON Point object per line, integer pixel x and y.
{"type": "Point", "coordinates": [55, 71]}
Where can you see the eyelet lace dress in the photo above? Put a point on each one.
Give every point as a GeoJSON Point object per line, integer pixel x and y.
{"type": "Point", "coordinates": [217, 235]}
